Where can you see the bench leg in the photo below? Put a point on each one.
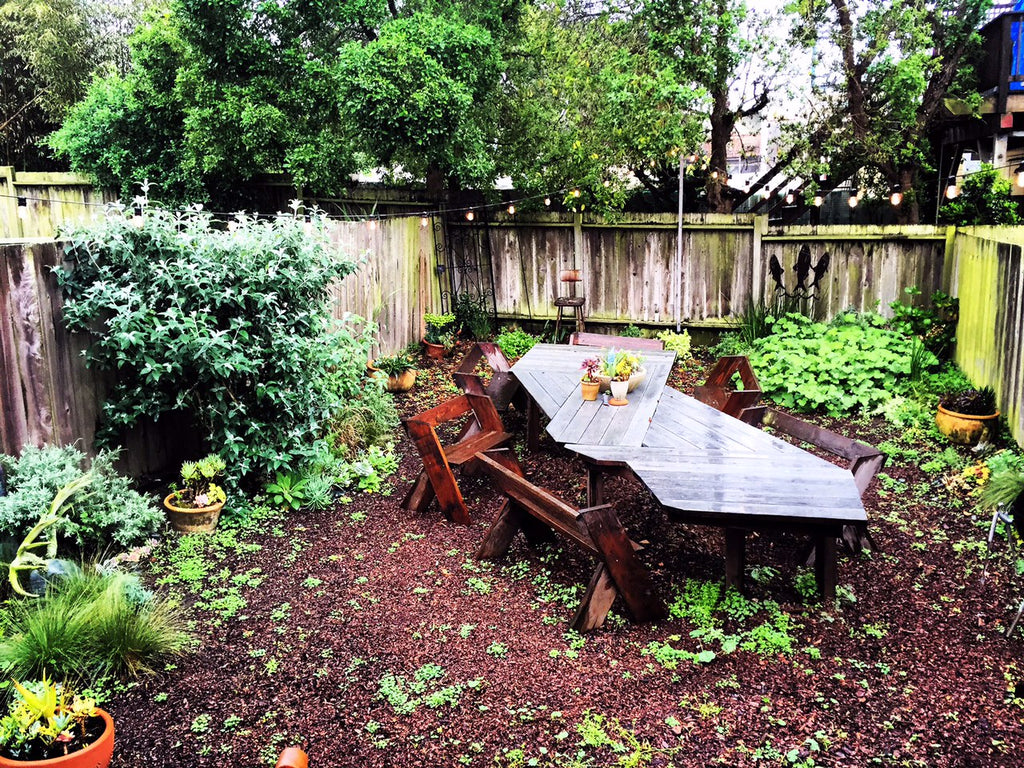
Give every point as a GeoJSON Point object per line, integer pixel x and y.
{"type": "Point", "coordinates": [532, 425]}
{"type": "Point", "coordinates": [437, 469]}
{"type": "Point", "coordinates": [597, 601]}
{"type": "Point", "coordinates": [419, 496]}
{"type": "Point", "coordinates": [595, 486]}
{"type": "Point", "coordinates": [499, 536]}
{"type": "Point", "coordinates": [825, 566]}
{"type": "Point", "coordinates": [735, 557]}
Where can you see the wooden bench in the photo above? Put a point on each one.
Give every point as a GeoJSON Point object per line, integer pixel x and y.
{"type": "Point", "coordinates": [616, 342]}
{"type": "Point", "coordinates": [481, 432]}
{"type": "Point", "coordinates": [596, 530]}
{"type": "Point", "coordinates": [503, 388]}
{"type": "Point", "coordinates": [718, 391]}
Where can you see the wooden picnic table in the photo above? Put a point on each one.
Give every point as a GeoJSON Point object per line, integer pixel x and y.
{"type": "Point", "coordinates": [700, 464]}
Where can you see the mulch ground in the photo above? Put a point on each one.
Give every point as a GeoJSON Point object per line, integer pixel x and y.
{"type": "Point", "coordinates": [381, 641]}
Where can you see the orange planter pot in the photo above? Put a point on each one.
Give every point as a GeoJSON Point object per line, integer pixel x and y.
{"type": "Point", "coordinates": [434, 351]}
{"type": "Point", "coordinates": [191, 520]}
{"type": "Point", "coordinates": [963, 428]}
{"type": "Point", "coordinates": [401, 382]}
{"type": "Point", "coordinates": [96, 755]}
{"type": "Point", "coordinates": [590, 389]}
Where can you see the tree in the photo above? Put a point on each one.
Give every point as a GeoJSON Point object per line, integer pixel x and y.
{"type": "Point", "coordinates": [984, 199]}
{"type": "Point", "coordinates": [896, 63]}
{"type": "Point", "coordinates": [48, 53]}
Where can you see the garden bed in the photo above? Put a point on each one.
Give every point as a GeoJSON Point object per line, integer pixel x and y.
{"type": "Point", "coordinates": [372, 637]}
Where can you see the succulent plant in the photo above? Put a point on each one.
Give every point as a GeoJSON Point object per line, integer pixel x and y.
{"type": "Point", "coordinates": [971, 402]}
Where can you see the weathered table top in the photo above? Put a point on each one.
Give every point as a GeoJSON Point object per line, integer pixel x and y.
{"type": "Point", "coordinates": [550, 373]}
{"type": "Point", "coordinates": [703, 464]}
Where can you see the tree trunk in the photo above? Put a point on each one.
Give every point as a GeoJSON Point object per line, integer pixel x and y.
{"type": "Point", "coordinates": [722, 119]}
{"type": "Point", "coordinates": [909, 211]}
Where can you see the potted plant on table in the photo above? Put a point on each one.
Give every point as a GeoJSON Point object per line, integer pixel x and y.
{"type": "Point", "coordinates": [621, 372]}
{"type": "Point", "coordinates": [47, 724]}
{"type": "Point", "coordinates": [196, 507]}
{"type": "Point", "coordinates": [440, 335]}
{"type": "Point", "coordinates": [400, 370]}
{"type": "Point", "coordinates": [967, 417]}
{"type": "Point", "coordinates": [590, 385]}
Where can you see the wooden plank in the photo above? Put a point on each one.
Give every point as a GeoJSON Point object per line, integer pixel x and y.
{"type": "Point", "coordinates": [597, 601]}
{"type": "Point", "coordinates": [614, 342]}
{"type": "Point", "coordinates": [503, 530]}
{"type": "Point", "coordinates": [735, 557]}
{"type": "Point", "coordinates": [436, 466]}
{"type": "Point", "coordinates": [630, 575]}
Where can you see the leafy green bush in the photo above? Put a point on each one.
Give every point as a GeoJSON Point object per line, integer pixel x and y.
{"type": "Point", "coordinates": [89, 625]}
{"type": "Point", "coordinates": [471, 317]}
{"type": "Point", "coordinates": [677, 342]}
{"type": "Point", "coordinates": [515, 342]}
{"type": "Point", "coordinates": [934, 325]}
{"type": "Point", "coordinates": [631, 331]}
{"type": "Point", "coordinates": [109, 513]}
{"type": "Point", "coordinates": [853, 363]}
{"type": "Point", "coordinates": [230, 325]}
{"type": "Point", "coordinates": [367, 420]}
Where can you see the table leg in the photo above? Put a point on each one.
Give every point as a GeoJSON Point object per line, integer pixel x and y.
{"type": "Point", "coordinates": [825, 566]}
{"type": "Point", "coordinates": [532, 425]}
{"type": "Point", "coordinates": [735, 557]}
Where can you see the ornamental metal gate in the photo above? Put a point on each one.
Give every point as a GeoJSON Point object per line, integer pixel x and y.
{"type": "Point", "coordinates": [465, 271]}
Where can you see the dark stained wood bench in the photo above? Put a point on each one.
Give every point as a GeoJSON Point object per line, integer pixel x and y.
{"type": "Point", "coordinates": [481, 432]}
{"type": "Point", "coordinates": [616, 342]}
{"type": "Point", "coordinates": [596, 530]}
{"type": "Point", "coordinates": [503, 388]}
{"type": "Point", "coordinates": [718, 390]}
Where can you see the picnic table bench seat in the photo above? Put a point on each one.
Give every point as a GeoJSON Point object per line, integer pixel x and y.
{"type": "Point", "coordinates": [580, 339]}
{"type": "Point", "coordinates": [503, 388]}
{"type": "Point", "coordinates": [596, 530]}
{"type": "Point", "coordinates": [482, 431]}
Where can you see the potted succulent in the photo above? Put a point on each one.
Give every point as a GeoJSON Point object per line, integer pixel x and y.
{"type": "Point", "coordinates": [440, 335]}
{"type": "Point", "coordinates": [623, 366]}
{"type": "Point", "coordinates": [967, 417]}
{"type": "Point", "coordinates": [196, 506]}
{"type": "Point", "coordinates": [589, 383]}
{"type": "Point", "coordinates": [47, 724]}
{"type": "Point", "coordinates": [400, 370]}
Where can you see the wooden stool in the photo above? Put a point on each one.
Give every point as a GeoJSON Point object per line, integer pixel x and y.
{"type": "Point", "coordinates": [572, 301]}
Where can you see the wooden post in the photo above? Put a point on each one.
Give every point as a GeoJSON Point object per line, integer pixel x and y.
{"type": "Point", "coordinates": [735, 557]}
{"type": "Point", "coordinates": [825, 566]}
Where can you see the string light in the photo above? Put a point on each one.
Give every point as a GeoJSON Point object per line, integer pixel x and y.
{"type": "Point", "coordinates": [547, 201]}
{"type": "Point", "coordinates": [22, 208]}
{"type": "Point", "coordinates": [575, 193]}
{"type": "Point", "coordinates": [951, 190]}
{"type": "Point", "coordinates": [818, 200]}
{"type": "Point", "coordinates": [790, 197]}
{"type": "Point", "coordinates": [470, 215]}
{"type": "Point", "coordinates": [607, 183]}
{"type": "Point", "coordinates": [896, 197]}
{"type": "Point", "coordinates": [371, 223]}
{"type": "Point", "coordinates": [424, 221]}
{"type": "Point", "coordinates": [511, 210]}
{"type": "Point", "coordinates": [714, 174]}
{"type": "Point", "coordinates": [854, 198]}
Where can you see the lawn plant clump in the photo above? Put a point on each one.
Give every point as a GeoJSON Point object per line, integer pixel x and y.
{"type": "Point", "coordinates": [230, 325]}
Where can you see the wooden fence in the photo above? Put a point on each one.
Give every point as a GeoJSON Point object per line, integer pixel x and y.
{"type": "Point", "coordinates": [629, 272]}
{"type": "Point", "coordinates": [989, 280]}
{"type": "Point", "coordinates": [34, 205]}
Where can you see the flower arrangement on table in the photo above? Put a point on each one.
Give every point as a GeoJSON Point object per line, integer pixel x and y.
{"type": "Point", "coordinates": [620, 365]}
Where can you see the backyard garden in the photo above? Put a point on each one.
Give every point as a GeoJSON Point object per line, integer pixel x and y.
{"type": "Point", "coordinates": [318, 612]}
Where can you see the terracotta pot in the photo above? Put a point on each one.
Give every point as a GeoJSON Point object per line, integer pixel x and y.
{"type": "Point", "coordinates": [434, 351]}
{"type": "Point", "coordinates": [192, 520]}
{"type": "Point", "coordinates": [590, 389]}
{"type": "Point", "coordinates": [401, 382]}
{"type": "Point", "coordinates": [963, 428]}
{"type": "Point", "coordinates": [96, 755]}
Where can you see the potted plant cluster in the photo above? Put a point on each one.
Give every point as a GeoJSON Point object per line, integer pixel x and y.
{"type": "Point", "coordinates": [589, 383]}
{"type": "Point", "coordinates": [47, 724]}
{"type": "Point", "coordinates": [621, 372]}
{"type": "Point", "coordinates": [400, 370]}
{"type": "Point", "coordinates": [440, 336]}
{"type": "Point", "coordinates": [196, 506]}
{"type": "Point", "coordinates": [967, 417]}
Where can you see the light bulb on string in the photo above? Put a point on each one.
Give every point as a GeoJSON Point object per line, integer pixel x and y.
{"type": "Point", "coordinates": [896, 197]}
{"type": "Point", "coordinates": [790, 197]}
{"type": "Point", "coordinates": [371, 223]}
{"type": "Point", "coordinates": [511, 210]}
{"type": "Point", "coordinates": [818, 200]}
{"type": "Point", "coordinates": [22, 208]}
{"type": "Point", "coordinates": [951, 190]}
{"type": "Point", "coordinates": [854, 199]}
{"type": "Point", "coordinates": [470, 215]}
{"type": "Point", "coordinates": [547, 201]}
{"type": "Point", "coordinates": [424, 221]}
{"type": "Point", "coordinates": [576, 193]}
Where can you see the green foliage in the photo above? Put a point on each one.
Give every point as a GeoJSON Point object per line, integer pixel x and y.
{"type": "Point", "coordinates": [44, 719]}
{"type": "Point", "coordinates": [934, 325]}
{"type": "Point", "coordinates": [515, 342]}
{"type": "Point", "coordinates": [678, 343]}
{"type": "Point", "coordinates": [1005, 482]}
{"type": "Point", "coordinates": [984, 199]}
{"type": "Point", "coordinates": [631, 332]}
{"type": "Point", "coordinates": [287, 491]}
{"type": "Point", "coordinates": [366, 420]}
{"type": "Point", "coordinates": [853, 363]}
{"type": "Point", "coordinates": [393, 365]}
{"type": "Point", "coordinates": [971, 402]}
{"type": "Point", "coordinates": [230, 326]}
{"type": "Point", "coordinates": [88, 626]}
{"type": "Point", "coordinates": [440, 329]}
{"type": "Point", "coordinates": [471, 318]}
{"type": "Point", "coordinates": [111, 513]}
